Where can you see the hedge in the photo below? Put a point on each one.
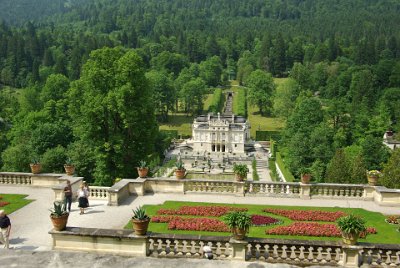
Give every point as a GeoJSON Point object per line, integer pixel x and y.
{"type": "Point", "coordinates": [267, 135]}
{"type": "Point", "coordinates": [256, 177]}
{"type": "Point", "coordinates": [239, 102]}
{"type": "Point", "coordinates": [173, 134]}
{"type": "Point", "coordinates": [272, 169]}
{"type": "Point", "coordinates": [217, 101]}
{"type": "Point", "coordinates": [286, 173]}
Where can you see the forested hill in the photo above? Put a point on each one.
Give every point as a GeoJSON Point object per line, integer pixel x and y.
{"type": "Point", "coordinates": [17, 12]}
{"type": "Point", "coordinates": [341, 57]}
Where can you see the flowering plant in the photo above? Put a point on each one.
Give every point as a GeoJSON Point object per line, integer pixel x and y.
{"type": "Point", "coordinates": [373, 173]}
{"type": "Point", "coordinates": [307, 215]}
{"type": "Point", "coordinates": [259, 220]}
{"type": "Point", "coordinates": [393, 219]}
{"type": "Point", "coordinates": [197, 224]}
{"type": "Point", "coordinates": [212, 211]}
{"type": "Point", "coordinates": [313, 229]}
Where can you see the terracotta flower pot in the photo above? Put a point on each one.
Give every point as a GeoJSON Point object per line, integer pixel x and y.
{"type": "Point", "coordinates": [239, 233]}
{"type": "Point", "coordinates": [60, 223]}
{"type": "Point", "coordinates": [350, 238]}
{"type": "Point", "coordinates": [372, 180]}
{"type": "Point", "coordinates": [69, 169]}
{"type": "Point", "coordinates": [143, 172]}
{"type": "Point", "coordinates": [140, 227]}
{"type": "Point", "coordinates": [240, 177]}
{"type": "Point", "coordinates": [305, 178]}
{"type": "Point", "coordinates": [180, 173]}
{"type": "Point", "coordinates": [36, 168]}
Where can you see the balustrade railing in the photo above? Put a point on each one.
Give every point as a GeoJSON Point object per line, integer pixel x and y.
{"type": "Point", "coordinates": [293, 251]}
{"type": "Point", "coordinates": [15, 178]}
{"type": "Point", "coordinates": [337, 190]}
{"type": "Point", "coordinates": [210, 186]}
{"type": "Point", "coordinates": [97, 192]}
{"type": "Point", "coordinates": [188, 246]}
{"type": "Point", "coordinates": [378, 255]}
{"type": "Point", "coordinates": [274, 188]}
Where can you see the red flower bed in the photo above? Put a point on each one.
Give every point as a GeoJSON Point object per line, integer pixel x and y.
{"type": "Point", "coordinates": [2, 203]}
{"type": "Point", "coordinates": [198, 224]}
{"type": "Point", "coordinates": [192, 224]}
{"type": "Point", "coordinates": [260, 220]}
{"type": "Point", "coordinates": [209, 211]}
{"type": "Point", "coordinates": [307, 215]}
{"type": "Point", "coordinates": [163, 219]}
{"type": "Point", "coordinates": [312, 229]}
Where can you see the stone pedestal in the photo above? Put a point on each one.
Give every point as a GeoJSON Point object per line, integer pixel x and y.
{"type": "Point", "coordinates": [305, 191]}
{"type": "Point", "coordinates": [238, 249]}
{"type": "Point", "coordinates": [350, 256]}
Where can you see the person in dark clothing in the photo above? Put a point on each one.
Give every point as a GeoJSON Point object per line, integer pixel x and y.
{"type": "Point", "coordinates": [68, 195]}
{"type": "Point", "coordinates": [5, 228]}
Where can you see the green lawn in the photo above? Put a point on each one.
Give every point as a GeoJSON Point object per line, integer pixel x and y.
{"type": "Point", "coordinates": [259, 122]}
{"type": "Point", "coordinates": [386, 233]}
{"type": "Point", "coordinates": [181, 122]}
{"type": "Point", "coordinates": [16, 201]}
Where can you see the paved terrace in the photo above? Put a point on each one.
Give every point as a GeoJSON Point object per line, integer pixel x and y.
{"type": "Point", "coordinates": [31, 223]}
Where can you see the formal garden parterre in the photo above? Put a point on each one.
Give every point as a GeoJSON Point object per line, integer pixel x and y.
{"type": "Point", "coordinates": [12, 202]}
{"type": "Point", "coordinates": [305, 223]}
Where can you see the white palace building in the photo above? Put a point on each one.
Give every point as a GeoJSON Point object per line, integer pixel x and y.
{"type": "Point", "coordinates": [220, 134]}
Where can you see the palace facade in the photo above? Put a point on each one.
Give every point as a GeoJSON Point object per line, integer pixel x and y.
{"type": "Point", "coordinates": [220, 133]}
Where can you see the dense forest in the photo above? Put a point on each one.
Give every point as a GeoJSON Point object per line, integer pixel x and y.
{"type": "Point", "coordinates": [77, 77]}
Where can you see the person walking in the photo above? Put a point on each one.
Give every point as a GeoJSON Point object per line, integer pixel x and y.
{"type": "Point", "coordinates": [86, 186]}
{"type": "Point", "coordinates": [5, 229]}
{"type": "Point", "coordinates": [68, 195]}
{"type": "Point", "coordinates": [82, 198]}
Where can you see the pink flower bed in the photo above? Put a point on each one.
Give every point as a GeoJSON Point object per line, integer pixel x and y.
{"type": "Point", "coordinates": [307, 215]}
{"type": "Point", "coordinates": [198, 224]}
{"type": "Point", "coordinates": [260, 220]}
{"type": "Point", "coordinates": [209, 211]}
{"type": "Point", "coordinates": [312, 229]}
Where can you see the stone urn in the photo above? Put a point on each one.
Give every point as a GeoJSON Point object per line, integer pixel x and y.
{"type": "Point", "coordinates": [143, 172]}
{"type": "Point", "coordinates": [140, 226]}
{"type": "Point", "coordinates": [350, 238]}
{"type": "Point", "coordinates": [372, 180]}
{"type": "Point", "coordinates": [69, 169]}
{"type": "Point", "coordinates": [36, 168]}
{"type": "Point", "coordinates": [60, 223]}
{"type": "Point", "coordinates": [305, 178]}
{"type": "Point", "coordinates": [180, 173]}
{"type": "Point", "coordinates": [239, 233]}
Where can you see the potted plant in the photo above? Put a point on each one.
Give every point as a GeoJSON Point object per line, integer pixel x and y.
{"type": "Point", "coordinates": [241, 171]}
{"type": "Point", "coordinates": [239, 222]}
{"type": "Point", "coordinates": [59, 215]}
{"type": "Point", "coordinates": [142, 169]}
{"type": "Point", "coordinates": [305, 175]}
{"type": "Point", "coordinates": [140, 221]}
{"type": "Point", "coordinates": [351, 227]}
{"type": "Point", "coordinates": [373, 176]}
{"type": "Point", "coordinates": [69, 167]}
{"type": "Point", "coordinates": [35, 165]}
{"type": "Point", "coordinates": [180, 170]}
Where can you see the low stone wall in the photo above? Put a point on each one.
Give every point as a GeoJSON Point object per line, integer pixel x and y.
{"type": "Point", "coordinates": [297, 252]}
{"type": "Point", "coordinates": [378, 194]}
{"type": "Point", "coordinates": [40, 180]}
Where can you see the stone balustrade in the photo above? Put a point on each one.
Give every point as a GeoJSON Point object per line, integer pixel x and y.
{"type": "Point", "coordinates": [30, 179]}
{"type": "Point", "coordinates": [98, 193]}
{"type": "Point", "coordinates": [121, 190]}
{"type": "Point", "coordinates": [285, 189]}
{"type": "Point", "coordinates": [19, 178]}
{"type": "Point", "coordinates": [329, 190]}
{"type": "Point", "coordinates": [297, 252]}
{"type": "Point", "coordinates": [380, 195]}
{"type": "Point", "coordinates": [188, 246]}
